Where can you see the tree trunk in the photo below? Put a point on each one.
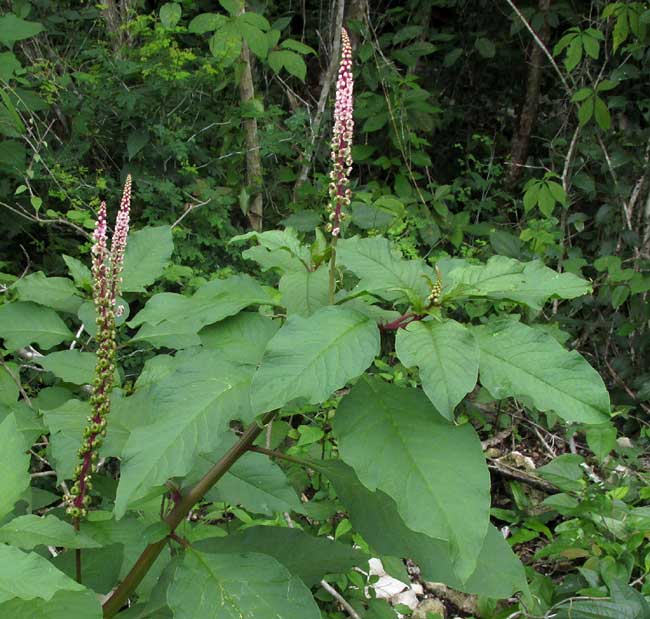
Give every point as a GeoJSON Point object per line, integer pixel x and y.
{"type": "Point", "coordinates": [116, 14]}
{"type": "Point", "coordinates": [254, 173]}
{"type": "Point", "coordinates": [528, 115]}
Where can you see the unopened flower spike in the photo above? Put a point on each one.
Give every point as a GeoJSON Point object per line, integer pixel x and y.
{"type": "Point", "coordinates": [107, 270]}
{"type": "Point", "coordinates": [339, 191]}
{"type": "Point", "coordinates": [436, 289]}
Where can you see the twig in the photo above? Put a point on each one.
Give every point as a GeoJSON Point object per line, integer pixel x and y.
{"type": "Point", "coordinates": [515, 474]}
{"type": "Point", "coordinates": [322, 99]}
{"type": "Point", "coordinates": [76, 336]}
{"type": "Point", "coordinates": [543, 47]}
{"type": "Point", "coordinates": [16, 380]}
{"type": "Point", "coordinates": [340, 599]}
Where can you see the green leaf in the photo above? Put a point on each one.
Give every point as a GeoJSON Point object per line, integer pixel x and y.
{"type": "Point", "coordinates": [591, 46]}
{"type": "Point", "coordinates": [485, 47]}
{"type": "Point", "coordinates": [23, 323]}
{"type": "Point", "coordinates": [434, 471]}
{"type": "Point", "coordinates": [531, 196]}
{"type": "Point", "coordinates": [147, 253]}
{"type": "Point", "coordinates": [303, 292]}
{"type": "Point", "coordinates": [246, 586]}
{"type": "Point", "coordinates": [517, 360]}
{"type": "Point", "coordinates": [565, 472]}
{"type": "Point", "coordinates": [31, 530]}
{"type": "Point", "coordinates": [297, 46]}
{"type": "Point", "coordinates": [573, 54]}
{"type": "Point", "coordinates": [545, 200]}
{"type": "Point", "coordinates": [18, 578]}
{"type": "Point", "coordinates": [63, 605]}
{"type": "Point", "coordinates": [601, 113]}
{"type": "Point", "coordinates": [14, 29]}
{"type": "Point", "coordinates": [183, 427]}
{"type": "Point", "coordinates": [9, 64]}
{"type": "Point", "coordinates": [304, 555]}
{"type": "Point", "coordinates": [255, 19]}
{"type": "Point", "coordinates": [620, 294]}
{"type": "Point", "coordinates": [101, 566]}
{"type": "Point", "coordinates": [241, 338]}
{"type": "Point", "coordinates": [498, 573]}
{"type": "Point", "coordinates": [170, 14]}
{"type": "Point", "coordinates": [255, 38]}
{"type": "Point", "coordinates": [447, 357]}
{"type": "Point", "coordinates": [59, 293]}
{"type": "Point", "coordinates": [309, 358]}
{"type": "Point", "coordinates": [173, 320]}
{"type": "Point", "coordinates": [582, 94]}
{"type": "Point", "coordinates": [137, 140]}
{"type": "Point", "coordinates": [254, 481]}
{"type": "Point", "coordinates": [601, 440]}
{"type": "Point", "coordinates": [206, 22]}
{"type": "Point", "coordinates": [14, 464]}
{"type": "Point", "coordinates": [530, 283]}
{"type": "Point", "coordinates": [79, 272]}
{"type": "Point", "coordinates": [382, 270]}
{"type": "Point", "coordinates": [291, 61]}
{"type": "Point", "coordinates": [586, 111]}
{"type": "Point", "coordinates": [71, 366]}
{"type": "Point", "coordinates": [9, 390]}
{"type": "Point", "coordinates": [557, 191]}
{"type": "Point", "coordinates": [232, 6]}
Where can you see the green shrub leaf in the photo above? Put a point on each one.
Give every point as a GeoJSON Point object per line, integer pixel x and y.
{"type": "Point", "coordinates": [24, 323]}
{"type": "Point", "coordinates": [309, 358]}
{"type": "Point", "coordinates": [447, 357]}
{"type": "Point", "coordinates": [238, 585]}
{"type": "Point", "coordinates": [398, 443]}
{"type": "Point", "coordinates": [517, 360]}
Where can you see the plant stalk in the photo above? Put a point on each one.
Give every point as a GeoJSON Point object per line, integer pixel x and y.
{"type": "Point", "coordinates": [332, 287]}
{"type": "Point", "coordinates": [149, 555]}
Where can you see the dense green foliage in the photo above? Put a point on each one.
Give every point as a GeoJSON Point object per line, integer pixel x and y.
{"type": "Point", "coordinates": [473, 398]}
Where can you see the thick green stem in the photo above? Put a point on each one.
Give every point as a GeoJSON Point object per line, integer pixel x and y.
{"type": "Point", "coordinates": [149, 555]}
{"type": "Point", "coordinates": [333, 270]}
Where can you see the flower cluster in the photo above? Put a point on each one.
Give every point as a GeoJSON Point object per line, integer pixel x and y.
{"type": "Point", "coordinates": [107, 278]}
{"type": "Point", "coordinates": [341, 139]}
{"type": "Point", "coordinates": [436, 290]}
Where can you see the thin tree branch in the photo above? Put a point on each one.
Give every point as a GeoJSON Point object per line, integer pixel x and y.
{"type": "Point", "coordinates": [340, 599]}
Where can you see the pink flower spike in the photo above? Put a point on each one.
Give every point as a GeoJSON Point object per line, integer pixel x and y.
{"type": "Point", "coordinates": [120, 235]}
{"type": "Point", "coordinates": [340, 193]}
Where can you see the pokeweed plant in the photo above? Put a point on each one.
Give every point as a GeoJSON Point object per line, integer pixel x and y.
{"type": "Point", "coordinates": [200, 427]}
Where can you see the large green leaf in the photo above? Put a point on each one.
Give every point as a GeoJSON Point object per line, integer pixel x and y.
{"type": "Point", "coordinates": [28, 576]}
{"type": "Point", "coordinates": [184, 425]}
{"type": "Point", "coordinates": [517, 360]}
{"type": "Point", "coordinates": [277, 248]}
{"type": "Point", "coordinates": [498, 574]}
{"type": "Point", "coordinates": [59, 293]}
{"type": "Point", "coordinates": [383, 271]}
{"type": "Point", "coordinates": [171, 319]}
{"type": "Point", "coordinates": [435, 471]}
{"type": "Point", "coordinates": [304, 292]}
{"type": "Point", "coordinates": [302, 554]}
{"type": "Point", "coordinates": [310, 358]}
{"type": "Point", "coordinates": [147, 253]}
{"type": "Point", "coordinates": [9, 390]}
{"type": "Point", "coordinates": [254, 481]}
{"type": "Point", "coordinates": [101, 566]}
{"type": "Point", "coordinates": [23, 323]}
{"type": "Point", "coordinates": [31, 530]}
{"type": "Point", "coordinates": [63, 605]}
{"type": "Point", "coordinates": [13, 28]}
{"type": "Point", "coordinates": [530, 283]}
{"type": "Point", "coordinates": [72, 366]}
{"type": "Point", "coordinates": [238, 586]}
{"type": "Point", "coordinates": [241, 338]}
{"type": "Point", "coordinates": [14, 464]}
{"type": "Point", "coordinates": [446, 354]}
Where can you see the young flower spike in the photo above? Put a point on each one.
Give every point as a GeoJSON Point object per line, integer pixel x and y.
{"type": "Point", "coordinates": [341, 139]}
{"type": "Point", "coordinates": [106, 269]}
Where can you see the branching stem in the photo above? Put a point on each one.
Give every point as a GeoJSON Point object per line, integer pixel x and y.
{"type": "Point", "coordinates": [149, 555]}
